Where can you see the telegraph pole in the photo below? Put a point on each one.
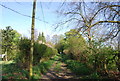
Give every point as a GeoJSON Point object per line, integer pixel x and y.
{"type": "Point", "coordinates": [32, 40]}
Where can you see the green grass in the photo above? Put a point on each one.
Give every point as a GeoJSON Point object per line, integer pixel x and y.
{"type": "Point", "coordinates": [56, 58]}
{"type": "Point", "coordinates": [94, 75]}
{"type": "Point", "coordinates": [41, 68]}
{"type": "Point", "coordinates": [11, 71]}
{"type": "Point", "coordinates": [58, 67]}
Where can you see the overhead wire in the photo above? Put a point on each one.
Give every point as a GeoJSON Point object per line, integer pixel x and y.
{"type": "Point", "coordinates": [22, 13]}
{"type": "Point", "coordinates": [42, 14]}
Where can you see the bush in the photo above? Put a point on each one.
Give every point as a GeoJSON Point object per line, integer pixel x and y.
{"type": "Point", "coordinates": [41, 53]}
{"type": "Point", "coordinates": [39, 50]}
{"type": "Point", "coordinates": [64, 57]}
{"type": "Point", "coordinates": [103, 59]}
{"type": "Point", "coordinates": [22, 58]}
{"type": "Point", "coordinates": [78, 68]}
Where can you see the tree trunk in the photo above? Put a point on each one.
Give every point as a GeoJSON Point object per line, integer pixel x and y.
{"type": "Point", "coordinates": [105, 68]}
{"type": "Point", "coordinates": [32, 40]}
{"type": "Point", "coordinates": [6, 56]}
{"type": "Point", "coordinates": [118, 64]}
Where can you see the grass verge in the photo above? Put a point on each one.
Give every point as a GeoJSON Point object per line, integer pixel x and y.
{"type": "Point", "coordinates": [11, 71]}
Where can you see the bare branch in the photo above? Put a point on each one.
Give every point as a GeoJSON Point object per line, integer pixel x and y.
{"type": "Point", "coordinates": [78, 14]}
{"type": "Point", "coordinates": [105, 22]}
{"type": "Point", "coordinates": [108, 6]}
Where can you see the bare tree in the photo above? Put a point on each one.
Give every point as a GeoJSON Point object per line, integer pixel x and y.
{"type": "Point", "coordinates": [87, 16]}
{"type": "Point", "coordinates": [91, 18]}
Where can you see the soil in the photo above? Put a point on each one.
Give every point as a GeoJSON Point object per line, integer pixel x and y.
{"type": "Point", "coordinates": [63, 73]}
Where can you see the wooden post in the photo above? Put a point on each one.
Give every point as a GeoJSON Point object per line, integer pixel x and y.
{"type": "Point", "coordinates": [32, 40]}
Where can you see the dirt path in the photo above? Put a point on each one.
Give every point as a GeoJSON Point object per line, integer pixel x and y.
{"type": "Point", "coordinates": [63, 73]}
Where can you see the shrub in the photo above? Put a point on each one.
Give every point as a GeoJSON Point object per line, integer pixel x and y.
{"type": "Point", "coordinates": [78, 68]}
{"type": "Point", "coordinates": [22, 58]}
{"type": "Point", "coordinates": [41, 52]}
